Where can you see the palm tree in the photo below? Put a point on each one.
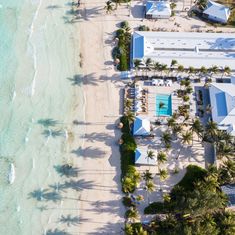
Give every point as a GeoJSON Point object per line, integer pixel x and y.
{"type": "Point", "coordinates": [224, 150]}
{"type": "Point", "coordinates": [161, 157]}
{"type": "Point", "coordinates": [163, 67]}
{"type": "Point", "coordinates": [156, 66]}
{"type": "Point", "coordinates": [150, 155]}
{"type": "Point", "coordinates": [177, 129]}
{"type": "Point", "coordinates": [187, 137]}
{"type": "Point", "coordinates": [173, 63]}
{"type": "Point", "coordinates": [149, 186]}
{"type": "Point", "coordinates": [132, 214]}
{"type": "Point", "coordinates": [226, 70]}
{"type": "Point", "coordinates": [203, 71]}
{"type": "Point", "coordinates": [166, 138]}
{"type": "Point", "coordinates": [117, 2]}
{"type": "Point", "coordinates": [191, 70]}
{"type": "Point", "coordinates": [137, 64]}
{"type": "Point", "coordinates": [163, 174]}
{"type": "Point", "coordinates": [202, 4]}
{"type": "Point", "coordinates": [147, 176]}
{"type": "Point", "coordinates": [109, 7]}
{"type": "Point", "coordinates": [148, 64]}
{"type": "Point", "coordinates": [214, 69]}
{"type": "Point", "coordinates": [197, 127]}
{"type": "Point", "coordinates": [186, 98]}
{"type": "Point", "coordinates": [130, 116]}
{"type": "Point", "coordinates": [211, 131]}
{"type": "Point", "coordinates": [127, 103]}
{"type": "Point", "coordinates": [227, 172]}
{"type": "Point", "coordinates": [173, 6]}
{"type": "Point", "coordinates": [171, 122]}
{"type": "Point", "coordinates": [180, 68]}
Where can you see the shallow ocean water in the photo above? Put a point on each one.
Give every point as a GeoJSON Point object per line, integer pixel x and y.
{"type": "Point", "coordinates": [37, 49]}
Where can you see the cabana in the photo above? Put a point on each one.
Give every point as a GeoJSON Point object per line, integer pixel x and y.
{"type": "Point", "coordinates": [141, 127]}
{"type": "Point", "coordinates": [157, 10]}
{"type": "Point", "coordinates": [216, 12]}
{"type": "Point", "coordinates": [141, 158]}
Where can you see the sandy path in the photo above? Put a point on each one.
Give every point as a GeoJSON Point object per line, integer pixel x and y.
{"type": "Point", "coordinates": [101, 210]}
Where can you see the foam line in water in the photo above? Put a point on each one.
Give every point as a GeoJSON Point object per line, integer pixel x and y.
{"type": "Point", "coordinates": [34, 50]}
{"type": "Point", "coordinates": [66, 134]}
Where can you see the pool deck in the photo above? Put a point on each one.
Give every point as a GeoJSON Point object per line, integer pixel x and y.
{"type": "Point", "coordinates": [163, 90]}
{"type": "Point", "coordinates": [180, 155]}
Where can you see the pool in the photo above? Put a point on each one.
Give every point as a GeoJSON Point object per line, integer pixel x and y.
{"type": "Point", "coordinates": [166, 108]}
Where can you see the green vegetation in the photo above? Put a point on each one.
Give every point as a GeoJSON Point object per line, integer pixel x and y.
{"type": "Point", "coordinates": [122, 51]}
{"type": "Point", "coordinates": [143, 28]}
{"type": "Point", "coordinates": [129, 176]}
{"type": "Point", "coordinates": [195, 205]}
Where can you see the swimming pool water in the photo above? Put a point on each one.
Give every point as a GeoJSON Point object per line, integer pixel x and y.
{"type": "Point", "coordinates": [166, 109]}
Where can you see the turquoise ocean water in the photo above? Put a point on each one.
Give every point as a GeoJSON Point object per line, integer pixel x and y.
{"type": "Point", "coordinates": [37, 51]}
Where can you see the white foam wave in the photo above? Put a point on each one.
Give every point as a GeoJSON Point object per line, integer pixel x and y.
{"type": "Point", "coordinates": [33, 163]}
{"type": "Point", "coordinates": [66, 134]}
{"type": "Point", "coordinates": [13, 96]}
{"type": "Point", "coordinates": [34, 50]}
{"type": "Point", "coordinates": [26, 139]}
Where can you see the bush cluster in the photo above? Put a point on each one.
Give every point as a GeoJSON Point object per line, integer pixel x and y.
{"type": "Point", "coordinates": [122, 51]}
{"type": "Point", "coordinates": [129, 175]}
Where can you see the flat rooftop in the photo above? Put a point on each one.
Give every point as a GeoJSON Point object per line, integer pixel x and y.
{"type": "Point", "coordinates": [189, 49]}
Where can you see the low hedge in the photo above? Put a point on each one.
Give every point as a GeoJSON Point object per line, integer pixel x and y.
{"type": "Point", "coordinates": [126, 125]}
{"type": "Point", "coordinates": [127, 151]}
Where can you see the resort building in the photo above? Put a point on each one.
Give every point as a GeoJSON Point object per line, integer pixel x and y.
{"type": "Point", "coordinates": [157, 10]}
{"type": "Point", "coordinates": [188, 48]}
{"type": "Point", "coordinates": [216, 12]}
{"type": "Point", "coordinates": [141, 126]}
{"type": "Point", "coordinates": [141, 158]}
{"type": "Point", "coordinates": [222, 97]}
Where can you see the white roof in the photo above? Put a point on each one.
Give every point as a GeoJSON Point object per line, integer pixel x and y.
{"type": "Point", "coordinates": [217, 10]}
{"type": "Point", "coordinates": [222, 97]}
{"type": "Point", "coordinates": [188, 48]}
{"type": "Point", "coordinates": [141, 158]}
{"type": "Point", "coordinates": [160, 8]}
{"type": "Point", "coordinates": [141, 126]}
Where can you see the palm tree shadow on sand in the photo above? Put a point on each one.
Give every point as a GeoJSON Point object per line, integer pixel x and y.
{"type": "Point", "coordinates": [66, 170]}
{"type": "Point", "coordinates": [69, 220]}
{"type": "Point", "coordinates": [57, 232]}
{"type": "Point", "coordinates": [47, 122]}
{"type": "Point", "coordinates": [45, 195]}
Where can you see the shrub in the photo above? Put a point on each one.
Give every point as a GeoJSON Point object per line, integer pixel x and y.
{"type": "Point", "coordinates": [143, 28]}
{"type": "Point", "coordinates": [116, 52]}
{"type": "Point", "coordinates": [123, 66]}
{"type": "Point", "coordinates": [124, 24]}
{"type": "Point", "coordinates": [127, 159]}
{"type": "Point", "coordinates": [131, 213]}
{"type": "Point", "coordinates": [120, 32]}
{"type": "Point", "coordinates": [126, 125]}
{"type": "Point", "coordinates": [193, 174]}
{"type": "Point", "coordinates": [127, 202]}
{"type": "Point", "coordinates": [156, 208]}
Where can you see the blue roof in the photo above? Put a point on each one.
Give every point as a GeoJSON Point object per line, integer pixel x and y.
{"type": "Point", "coordinates": [229, 190]}
{"type": "Point", "coordinates": [138, 46]}
{"type": "Point", "coordinates": [221, 104]}
{"type": "Point", "coordinates": [148, 6]}
{"type": "Point", "coordinates": [137, 155]}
